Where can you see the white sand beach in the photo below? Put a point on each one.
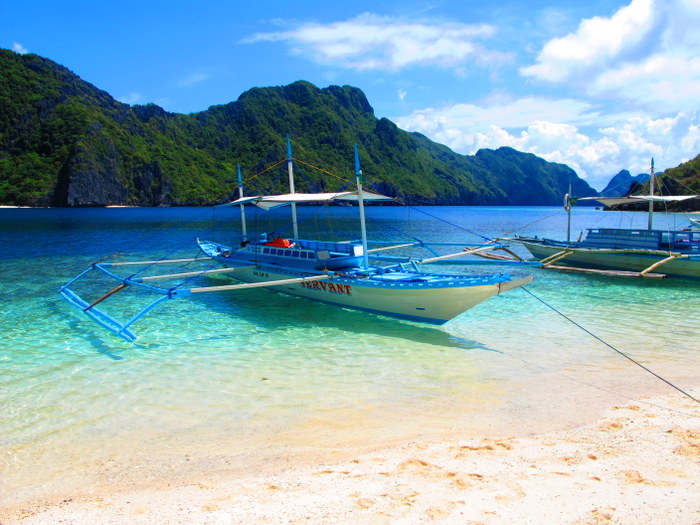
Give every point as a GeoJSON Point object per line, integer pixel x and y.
{"type": "Point", "coordinates": [638, 464]}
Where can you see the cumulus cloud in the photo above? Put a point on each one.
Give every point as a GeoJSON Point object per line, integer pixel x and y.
{"type": "Point", "coordinates": [131, 98]}
{"type": "Point", "coordinates": [193, 79]}
{"type": "Point", "coordinates": [497, 111]}
{"type": "Point", "coordinates": [597, 41]}
{"type": "Point", "coordinates": [663, 82]}
{"type": "Point", "coordinates": [19, 48]}
{"type": "Point", "coordinates": [643, 61]}
{"type": "Point", "coordinates": [645, 54]}
{"type": "Point", "coordinates": [370, 42]}
{"type": "Point", "coordinates": [631, 81]}
{"type": "Point", "coordinates": [563, 131]}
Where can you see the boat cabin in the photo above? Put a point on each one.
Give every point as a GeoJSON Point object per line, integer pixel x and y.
{"type": "Point", "coordinates": [302, 254]}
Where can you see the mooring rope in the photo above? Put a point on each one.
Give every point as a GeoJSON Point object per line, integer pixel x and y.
{"type": "Point", "coordinates": [602, 389]}
{"type": "Point", "coordinates": [488, 239]}
{"type": "Point", "coordinates": [594, 336]}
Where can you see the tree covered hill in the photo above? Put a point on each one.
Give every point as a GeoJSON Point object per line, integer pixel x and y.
{"type": "Point", "coordinates": [64, 142]}
{"type": "Point", "coordinates": [683, 179]}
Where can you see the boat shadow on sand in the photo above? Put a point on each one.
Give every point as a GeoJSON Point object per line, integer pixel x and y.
{"type": "Point", "coordinates": [276, 312]}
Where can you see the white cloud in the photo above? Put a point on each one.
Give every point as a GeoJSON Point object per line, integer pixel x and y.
{"type": "Point", "coordinates": [131, 98]}
{"type": "Point", "coordinates": [19, 48]}
{"type": "Point", "coordinates": [643, 61]}
{"type": "Point", "coordinates": [562, 131]}
{"type": "Point", "coordinates": [497, 111]}
{"type": "Point", "coordinates": [664, 82]}
{"type": "Point", "coordinates": [645, 54]}
{"type": "Point", "coordinates": [370, 42]}
{"type": "Point", "coordinates": [193, 79]}
{"type": "Point", "coordinates": [597, 41]}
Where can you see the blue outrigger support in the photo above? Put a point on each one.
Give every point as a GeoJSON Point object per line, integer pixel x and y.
{"type": "Point", "coordinates": [104, 319]}
{"type": "Point", "coordinates": [122, 329]}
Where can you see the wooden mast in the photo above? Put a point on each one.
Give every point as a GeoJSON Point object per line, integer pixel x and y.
{"type": "Point", "coordinates": [290, 170]}
{"type": "Point", "coordinates": [651, 194]}
{"type": "Point", "coordinates": [244, 229]}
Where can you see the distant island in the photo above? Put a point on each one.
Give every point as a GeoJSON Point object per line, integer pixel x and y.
{"type": "Point", "coordinates": [64, 142]}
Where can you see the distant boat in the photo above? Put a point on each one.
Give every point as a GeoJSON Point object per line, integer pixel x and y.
{"type": "Point", "coordinates": [637, 252]}
{"type": "Point", "coordinates": [334, 273]}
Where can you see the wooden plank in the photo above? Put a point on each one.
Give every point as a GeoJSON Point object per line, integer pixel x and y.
{"type": "Point", "coordinates": [384, 248]}
{"type": "Point", "coordinates": [556, 257]}
{"type": "Point", "coordinates": [127, 263]}
{"type": "Point", "coordinates": [645, 273]}
{"type": "Point", "coordinates": [105, 296]}
{"type": "Point", "coordinates": [499, 257]}
{"type": "Point", "coordinates": [262, 284]}
{"type": "Point", "coordinates": [466, 251]}
{"type": "Point", "coordinates": [189, 274]}
{"type": "Point", "coordinates": [618, 273]}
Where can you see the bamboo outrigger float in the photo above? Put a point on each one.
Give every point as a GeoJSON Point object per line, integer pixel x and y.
{"type": "Point", "coordinates": [334, 273]}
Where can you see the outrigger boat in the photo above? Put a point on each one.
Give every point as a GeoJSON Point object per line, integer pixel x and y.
{"type": "Point", "coordinates": [628, 252]}
{"type": "Point", "coordinates": [335, 273]}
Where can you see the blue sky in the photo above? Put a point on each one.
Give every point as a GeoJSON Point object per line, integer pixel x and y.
{"type": "Point", "coordinates": [601, 85]}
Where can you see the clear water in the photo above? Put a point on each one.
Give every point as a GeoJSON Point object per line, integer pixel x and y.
{"type": "Point", "coordinates": [254, 380]}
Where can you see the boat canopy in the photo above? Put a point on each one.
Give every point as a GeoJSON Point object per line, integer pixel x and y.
{"type": "Point", "coordinates": [614, 201]}
{"type": "Point", "coordinates": [267, 202]}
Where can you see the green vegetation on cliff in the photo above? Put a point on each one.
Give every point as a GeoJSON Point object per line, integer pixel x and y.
{"type": "Point", "coordinates": [63, 142]}
{"type": "Point", "coordinates": [683, 179]}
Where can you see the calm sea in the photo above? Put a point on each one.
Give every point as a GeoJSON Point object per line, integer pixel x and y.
{"type": "Point", "coordinates": [254, 380]}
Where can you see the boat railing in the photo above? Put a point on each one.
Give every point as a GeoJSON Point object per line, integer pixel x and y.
{"type": "Point", "coordinates": [668, 240]}
{"type": "Point", "coordinates": [343, 248]}
{"type": "Point", "coordinates": [682, 241]}
{"type": "Point", "coordinates": [619, 238]}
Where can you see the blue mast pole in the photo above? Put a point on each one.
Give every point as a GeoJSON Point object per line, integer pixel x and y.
{"type": "Point", "coordinates": [361, 204]}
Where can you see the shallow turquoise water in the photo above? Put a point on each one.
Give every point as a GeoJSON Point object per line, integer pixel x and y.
{"type": "Point", "coordinates": [231, 381]}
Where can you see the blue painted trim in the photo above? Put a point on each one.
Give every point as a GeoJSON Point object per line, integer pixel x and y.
{"type": "Point", "coordinates": [129, 280]}
{"type": "Point", "coordinates": [358, 169]}
{"type": "Point", "coordinates": [125, 326]}
{"type": "Point", "coordinates": [103, 319]}
{"type": "Point", "coordinates": [81, 274]}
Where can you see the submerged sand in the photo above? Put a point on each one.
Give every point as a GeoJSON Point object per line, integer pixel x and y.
{"type": "Point", "coordinates": [638, 464]}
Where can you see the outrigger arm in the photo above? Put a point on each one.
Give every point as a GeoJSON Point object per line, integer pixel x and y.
{"type": "Point", "coordinates": [123, 329]}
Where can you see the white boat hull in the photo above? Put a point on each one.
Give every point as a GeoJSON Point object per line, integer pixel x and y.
{"type": "Point", "coordinates": [424, 302]}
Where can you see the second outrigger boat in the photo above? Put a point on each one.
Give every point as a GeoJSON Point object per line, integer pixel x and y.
{"type": "Point", "coordinates": [633, 252]}
{"type": "Point", "coordinates": [335, 273]}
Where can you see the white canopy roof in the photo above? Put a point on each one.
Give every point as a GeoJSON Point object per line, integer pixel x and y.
{"type": "Point", "coordinates": [614, 201]}
{"type": "Point", "coordinates": [268, 202]}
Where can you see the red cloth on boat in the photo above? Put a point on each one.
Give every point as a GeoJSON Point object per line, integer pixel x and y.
{"type": "Point", "coordinates": [280, 243]}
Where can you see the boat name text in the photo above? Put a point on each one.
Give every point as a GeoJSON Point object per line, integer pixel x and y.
{"type": "Point", "coordinates": [324, 286]}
